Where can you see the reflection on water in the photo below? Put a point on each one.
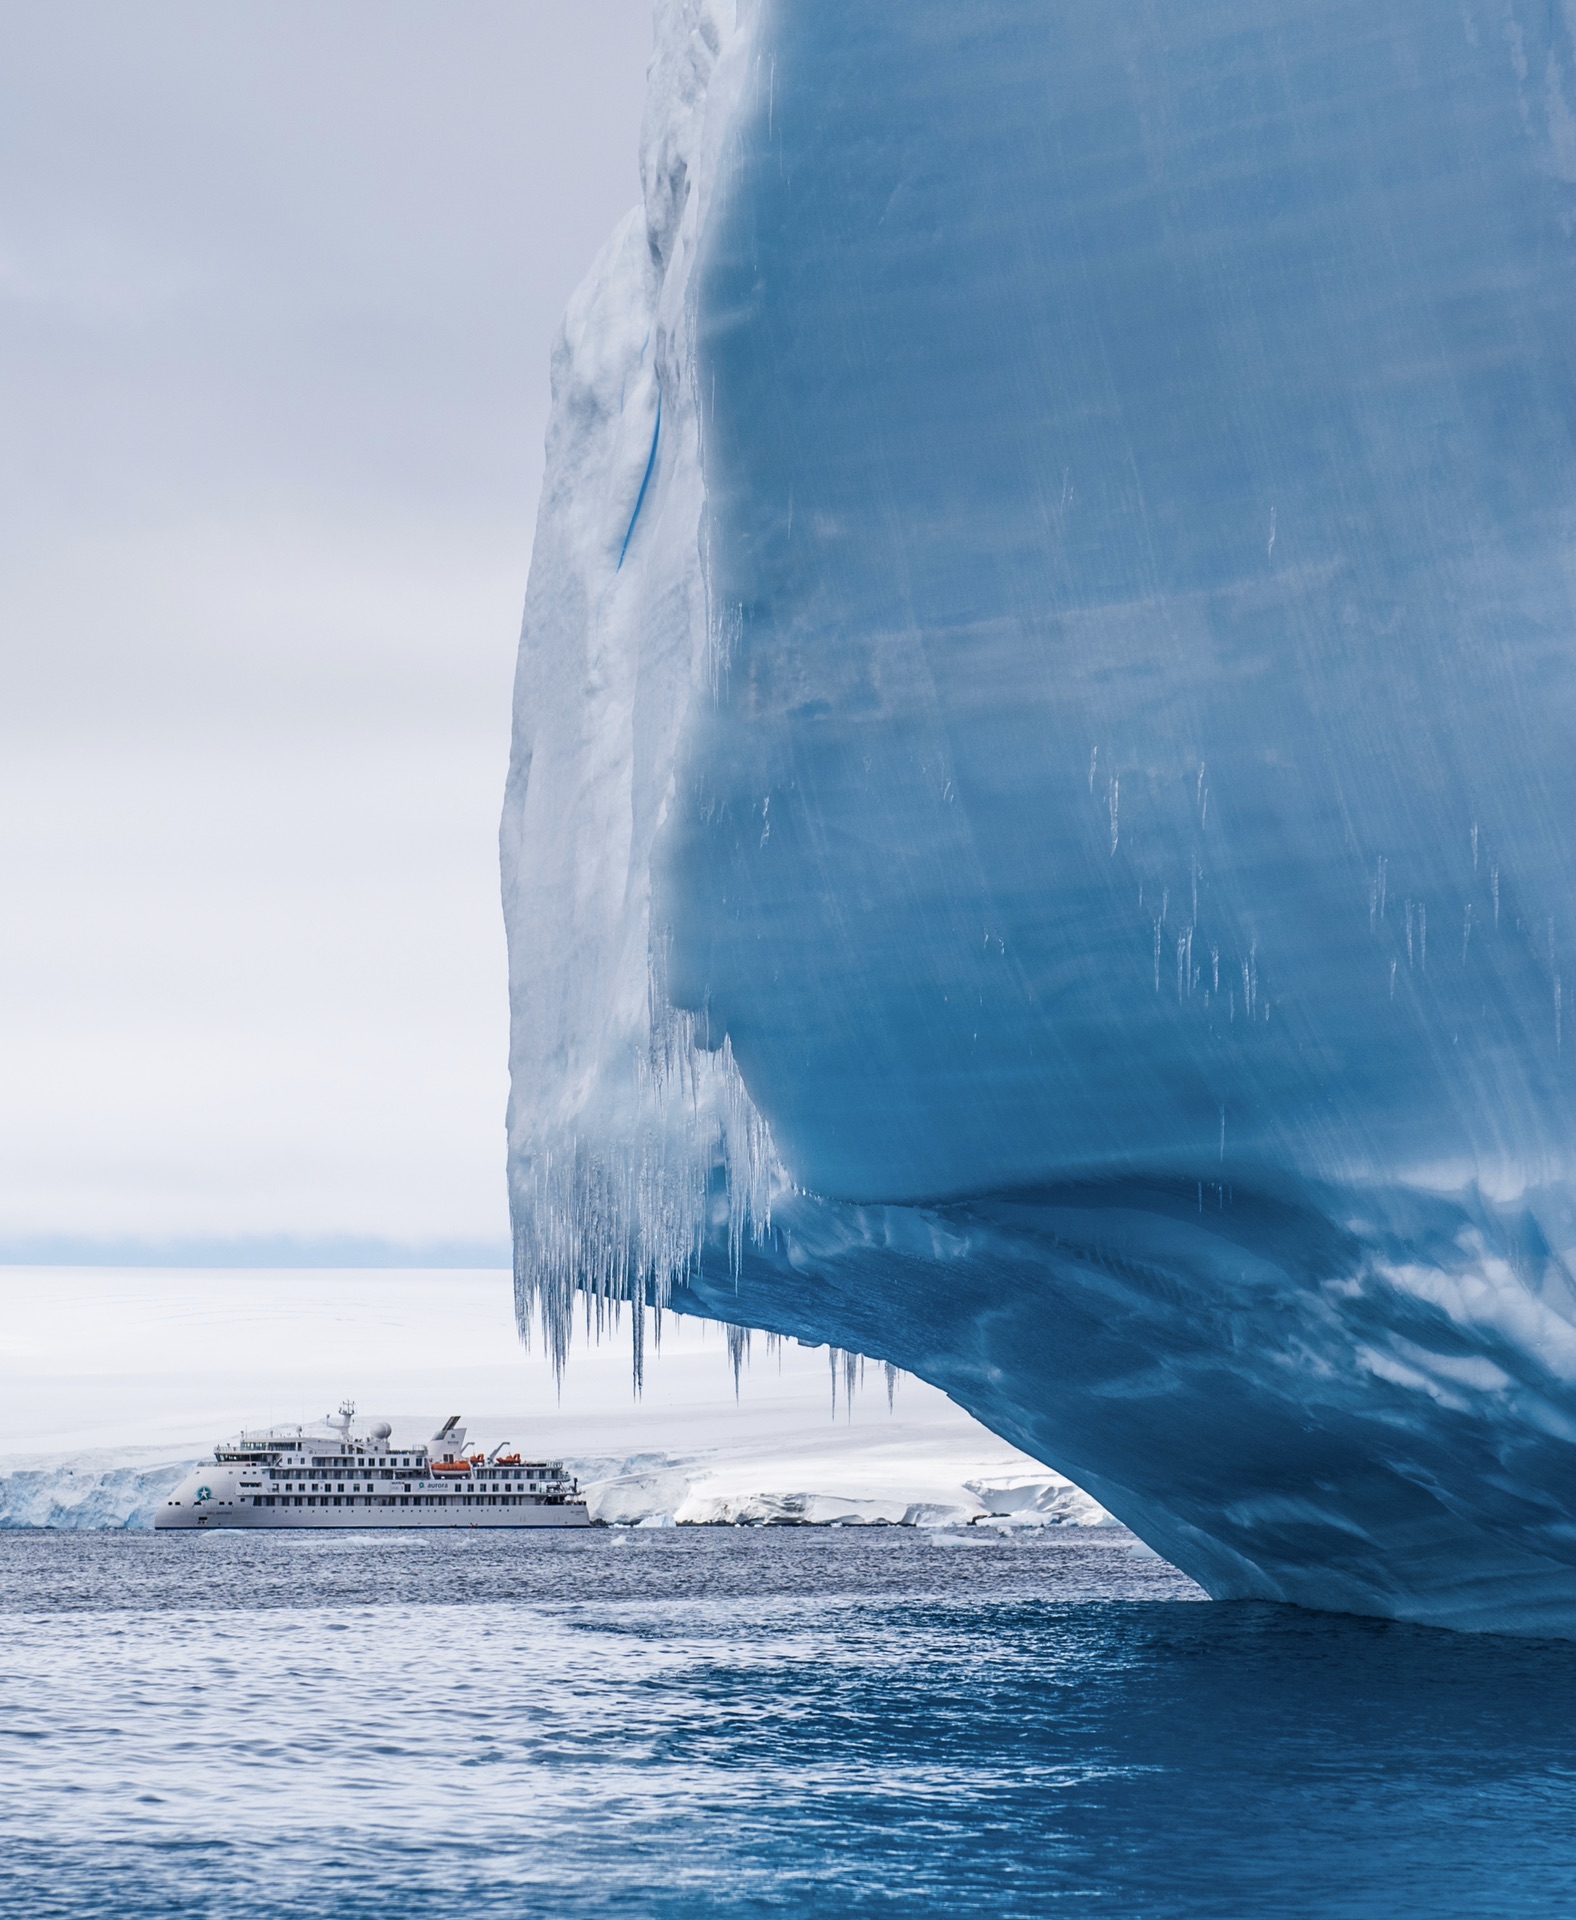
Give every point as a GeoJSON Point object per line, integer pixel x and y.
{"type": "Point", "coordinates": [787, 1722]}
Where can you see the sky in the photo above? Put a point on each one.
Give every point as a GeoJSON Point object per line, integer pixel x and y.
{"type": "Point", "coordinates": [279, 281]}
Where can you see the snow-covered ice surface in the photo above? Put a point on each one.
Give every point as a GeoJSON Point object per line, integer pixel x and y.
{"type": "Point", "coordinates": [1040, 843]}
{"type": "Point", "coordinates": [114, 1381]}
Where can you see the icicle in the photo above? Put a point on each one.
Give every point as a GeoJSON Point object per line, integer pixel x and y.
{"type": "Point", "coordinates": [848, 1369]}
{"type": "Point", "coordinates": [738, 1352]}
{"type": "Point", "coordinates": [853, 1375]}
{"type": "Point", "coordinates": [633, 1226]}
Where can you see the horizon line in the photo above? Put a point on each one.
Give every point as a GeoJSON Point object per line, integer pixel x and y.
{"type": "Point", "coordinates": [249, 1250]}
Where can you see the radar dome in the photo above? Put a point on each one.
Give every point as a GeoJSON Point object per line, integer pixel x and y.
{"type": "Point", "coordinates": [380, 1430]}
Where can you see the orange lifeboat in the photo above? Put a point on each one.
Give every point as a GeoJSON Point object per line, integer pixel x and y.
{"type": "Point", "coordinates": [451, 1466]}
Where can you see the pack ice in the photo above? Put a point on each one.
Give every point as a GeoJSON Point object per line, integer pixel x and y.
{"type": "Point", "coordinates": [1040, 838]}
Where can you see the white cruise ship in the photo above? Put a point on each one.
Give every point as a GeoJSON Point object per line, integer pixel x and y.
{"type": "Point", "coordinates": [334, 1477]}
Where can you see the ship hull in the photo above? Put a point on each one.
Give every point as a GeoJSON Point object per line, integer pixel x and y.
{"type": "Point", "coordinates": [360, 1520]}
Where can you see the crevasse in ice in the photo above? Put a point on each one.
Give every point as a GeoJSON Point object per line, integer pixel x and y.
{"type": "Point", "coordinates": [1039, 845]}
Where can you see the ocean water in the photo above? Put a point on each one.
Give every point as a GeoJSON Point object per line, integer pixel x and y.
{"type": "Point", "coordinates": [772, 1721]}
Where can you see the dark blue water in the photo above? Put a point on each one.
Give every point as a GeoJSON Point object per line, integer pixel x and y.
{"type": "Point", "coordinates": [737, 1722]}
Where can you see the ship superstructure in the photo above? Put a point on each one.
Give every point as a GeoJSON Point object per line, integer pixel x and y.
{"type": "Point", "coordinates": [333, 1476]}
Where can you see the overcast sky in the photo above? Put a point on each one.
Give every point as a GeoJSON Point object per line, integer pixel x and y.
{"type": "Point", "coordinates": [278, 285]}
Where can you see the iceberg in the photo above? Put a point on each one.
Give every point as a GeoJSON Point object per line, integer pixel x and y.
{"type": "Point", "coordinates": [1039, 842]}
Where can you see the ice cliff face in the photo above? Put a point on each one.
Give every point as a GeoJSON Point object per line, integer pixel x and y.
{"type": "Point", "coordinates": [621, 1109]}
{"type": "Point", "coordinates": [1040, 841]}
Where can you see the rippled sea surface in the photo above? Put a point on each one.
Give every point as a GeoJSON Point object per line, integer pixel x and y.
{"type": "Point", "coordinates": [719, 1721]}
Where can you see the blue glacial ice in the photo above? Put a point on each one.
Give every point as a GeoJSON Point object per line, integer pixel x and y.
{"type": "Point", "coordinates": [1039, 845]}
